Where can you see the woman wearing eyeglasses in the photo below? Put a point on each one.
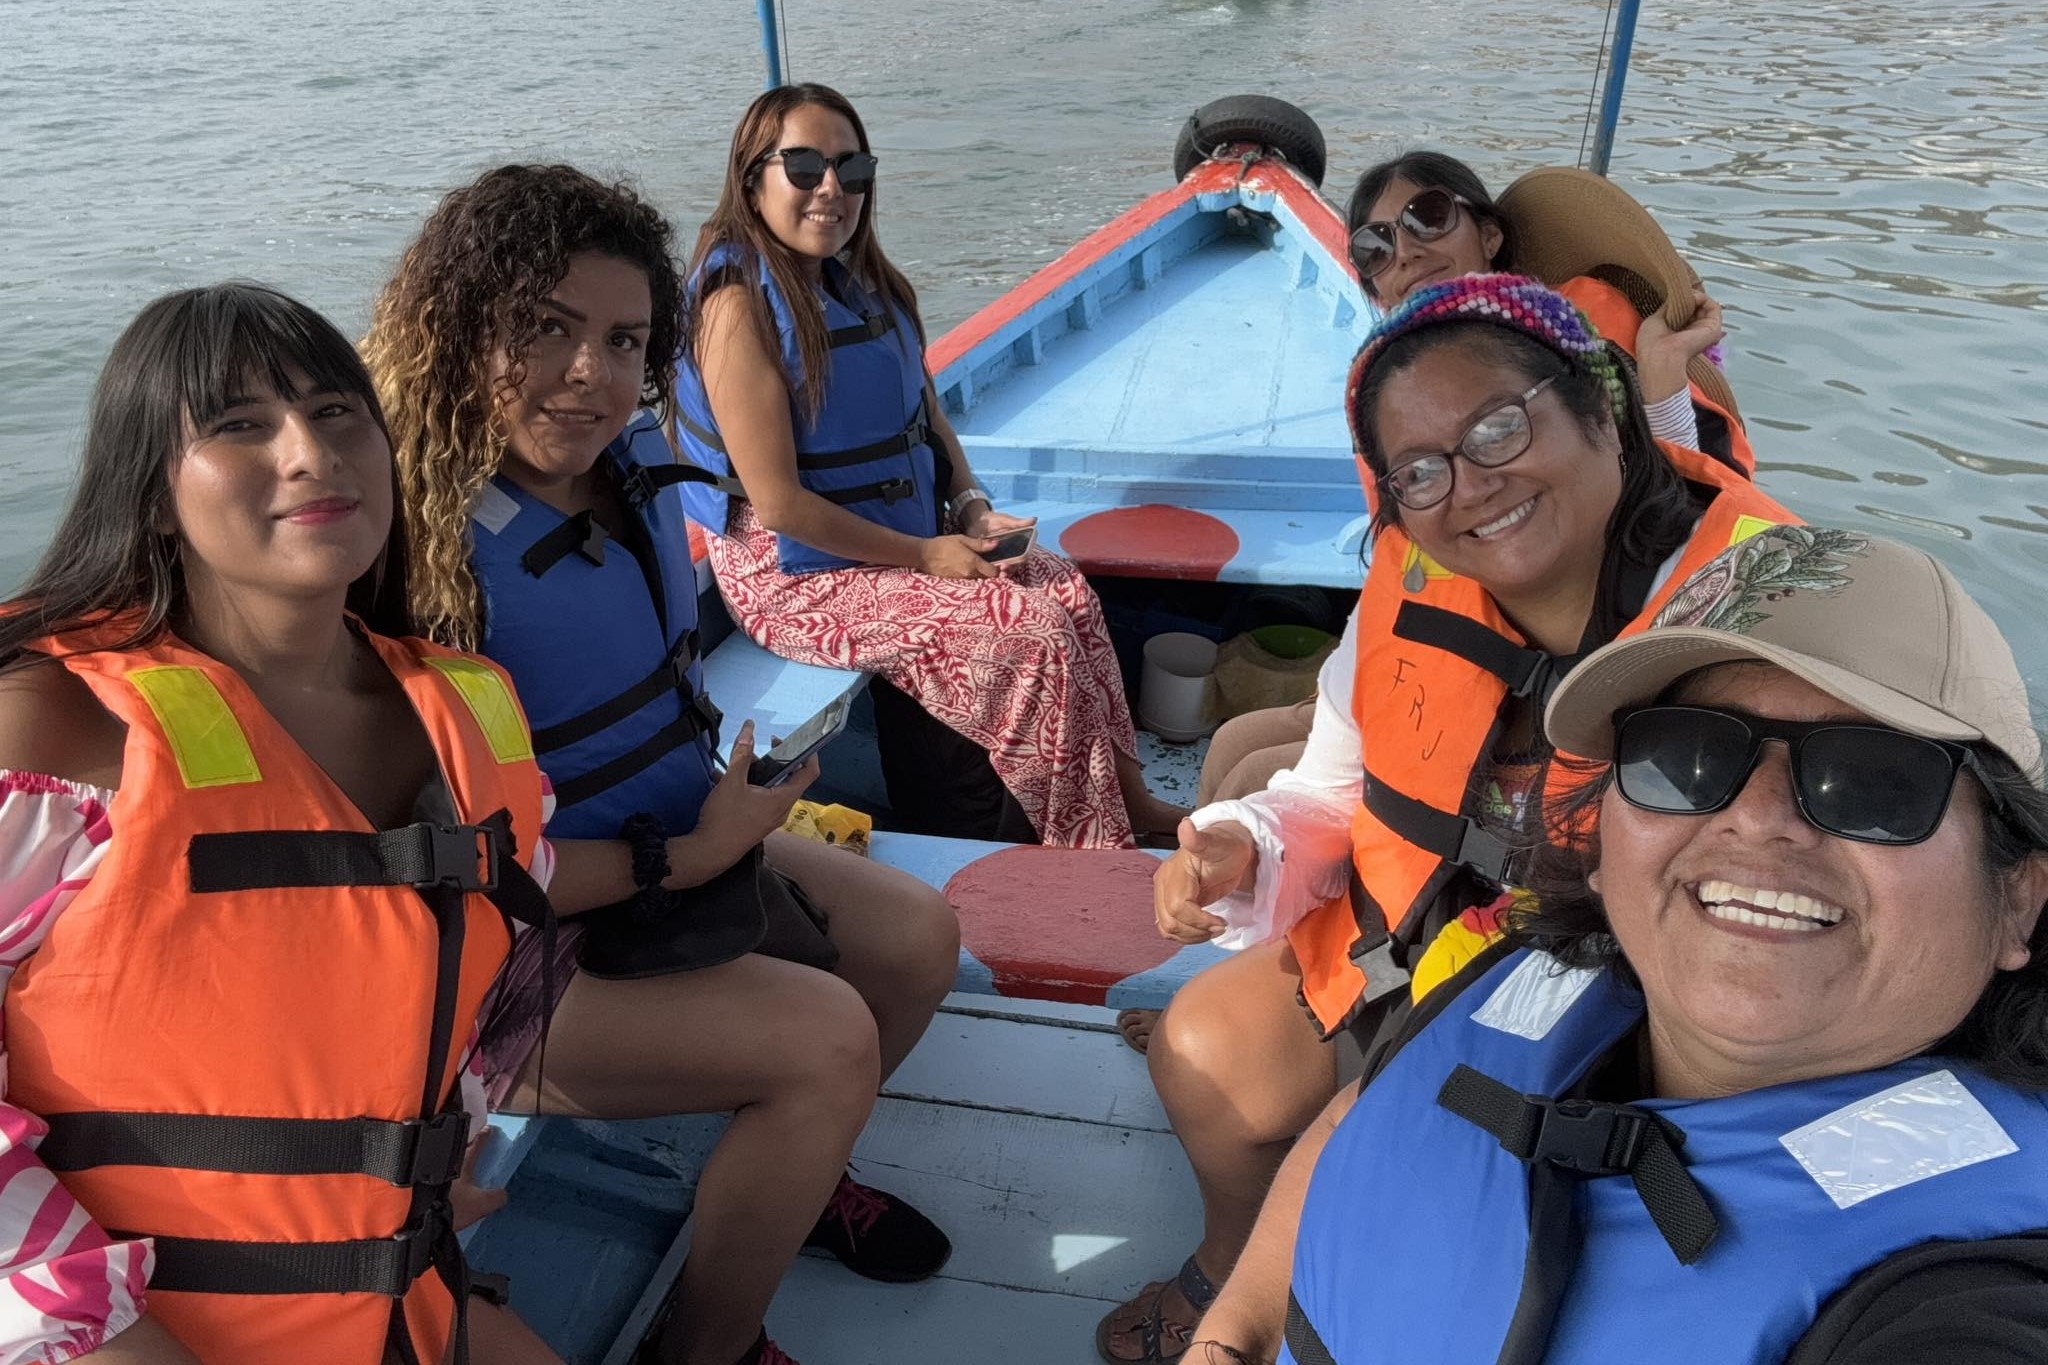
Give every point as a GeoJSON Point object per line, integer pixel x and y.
{"type": "Point", "coordinates": [1763, 1078]}
{"type": "Point", "coordinates": [856, 537]}
{"type": "Point", "coordinates": [1525, 516]}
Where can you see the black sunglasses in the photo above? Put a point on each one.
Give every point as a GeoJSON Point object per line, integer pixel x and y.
{"type": "Point", "coordinates": [1428, 216]}
{"type": "Point", "coordinates": [1497, 438]}
{"type": "Point", "coordinates": [806, 166]}
{"type": "Point", "coordinates": [1869, 783]}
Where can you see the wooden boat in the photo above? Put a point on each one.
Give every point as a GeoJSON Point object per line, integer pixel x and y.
{"type": "Point", "coordinates": [1166, 398]}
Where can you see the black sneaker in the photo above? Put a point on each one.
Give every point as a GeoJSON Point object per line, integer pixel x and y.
{"type": "Point", "coordinates": [879, 1236]}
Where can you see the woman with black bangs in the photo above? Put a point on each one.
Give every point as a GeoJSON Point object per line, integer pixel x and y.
{"type": "Point", "coordinates": [247, 832]}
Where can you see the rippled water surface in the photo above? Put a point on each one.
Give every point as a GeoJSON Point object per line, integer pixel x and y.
{"type": "Point", "coordinates": [1864, 183]}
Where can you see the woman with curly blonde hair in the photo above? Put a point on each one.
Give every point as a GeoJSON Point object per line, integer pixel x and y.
{"type": "Point", "coordinates": [726, 966]}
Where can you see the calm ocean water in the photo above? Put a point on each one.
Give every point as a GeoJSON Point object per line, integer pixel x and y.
{"type": "Point", "coordinates": [1863, 183]}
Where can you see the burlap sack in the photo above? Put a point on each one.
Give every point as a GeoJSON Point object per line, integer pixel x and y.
{"type": "Point", "coordinates": [1251, 677]}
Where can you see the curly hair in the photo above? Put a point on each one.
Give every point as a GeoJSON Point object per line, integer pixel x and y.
{"type": "Point", "coordinates": [468, 291]}
{"type": "Point", "coordinates": [737, 223]}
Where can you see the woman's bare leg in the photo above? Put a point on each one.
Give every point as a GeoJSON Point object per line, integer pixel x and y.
{"type": "Point", "coordinates": [898, 940]}
{"type": "Point", "coordinates": [1241, 1071]}
{"type": "Point", "coordinates": [1149, 814]}
{"type": "Point", "coordinates": [498, 1337]}
{"type": "Point", "coordinates": [790, 1051]}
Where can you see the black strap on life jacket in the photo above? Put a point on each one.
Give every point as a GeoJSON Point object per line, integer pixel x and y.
{"type": "Point", "coordinates": [871, 327]}
{"type": "Point", "coordinates": [406, 1153]}
{"type": "Point", "coordinates": [1457, 839]}
{"type": "Point", "coordinates": [1593, 1138]}
{"type": "Point", "coordinates": [445, 863]}
{"type": "Point", "coordinates": [581, 534]}
{"type": "Point", "coordinates": [672, 674]}
{"type": "Point", "coordinates": [699, 717]}
{"type": "Point", "coordinates": [640, 483]}
{"type": "Point", "coordinates": [1563, 1141]}
{"type": "Point", "coordinates": [1530, 673]}
{"type": "Point", "coordinates": [1301, 1336]}
{"type": "Point", "coordinates": [917, 432]}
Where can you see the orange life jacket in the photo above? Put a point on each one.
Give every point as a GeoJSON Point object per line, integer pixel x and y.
{"type": "Point", "coordinates": [1437, 666]}
{"type": "Point", "coordinates": [245, 1032]}
{"type": "Point", "coordinates": [1721, 432]}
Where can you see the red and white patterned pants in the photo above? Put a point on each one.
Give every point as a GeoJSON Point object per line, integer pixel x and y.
{"type": "Point", "coordinates": [1021, 664]}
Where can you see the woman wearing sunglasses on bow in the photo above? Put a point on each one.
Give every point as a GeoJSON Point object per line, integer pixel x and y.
{"type": "Point", "coordinates": [1425, 217]}
{"type": "Point", "coordinates": [856, 537]}
{"type": "Point", "coordinates": [1524, 516]}
{"type": "Point", "coordinates": [1763, 1078]}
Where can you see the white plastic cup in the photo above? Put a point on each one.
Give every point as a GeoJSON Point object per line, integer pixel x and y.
{"type": "Point", "coordinates": [1173, 689]}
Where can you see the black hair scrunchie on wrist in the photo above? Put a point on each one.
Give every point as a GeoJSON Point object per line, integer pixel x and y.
{"type": "Point", "coordinates": [647, 838]}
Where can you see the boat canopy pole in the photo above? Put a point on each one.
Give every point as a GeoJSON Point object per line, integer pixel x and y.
{"type": "Point", "coordinates": [1617, 73]}
{"type": "Point", "coordinates": [771, 42]}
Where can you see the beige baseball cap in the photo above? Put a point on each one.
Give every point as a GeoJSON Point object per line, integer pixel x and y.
{"type": "Point", "coordinates": [1876, 625]}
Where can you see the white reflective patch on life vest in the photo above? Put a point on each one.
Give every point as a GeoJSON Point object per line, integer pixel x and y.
{"type": "Point", "coordinates": [495, 509]}
{"type": "Point", "coordinates": [1914, 1131]}
{"type": "Point", "coordinates": [1534, 997]}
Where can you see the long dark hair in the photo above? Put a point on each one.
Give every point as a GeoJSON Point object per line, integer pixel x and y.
{"type": "Point", "coordinates": [469, 288]}
{"type": "Point", "coordinates": [1656, 511]}
{"type": "Point", "coordinates": [735, 222]}
{"type": "Point", "coordinates": [171, 372]}
{"type": "Point", "coordinates": [1431, 171]}
{"type": "Point", "coordinates": [2005, 1034]}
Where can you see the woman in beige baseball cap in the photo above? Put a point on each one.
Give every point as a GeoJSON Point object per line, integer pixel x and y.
{"type": "Point", "coordinates": [1763, 1078]}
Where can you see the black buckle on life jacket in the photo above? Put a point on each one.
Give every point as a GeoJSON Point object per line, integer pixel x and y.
{"type": "Point", "coordinates": [1540, 680]}
{"type": "Point", "coordinates": [1485, 852]}
{"type": "Point", "coordinates": [461, 856]}
{"type": "Point", "coordinates": [1587, 1136]}
{"type": "Point", "coordinates": [893, 491]}
{"type": "Point", "coordinates": [420, 1240]}
{"type": "Point", "coordinates": [1383, 975]}
{"type": "Point", "coordinates": [439, 1144]}
{"type": "Point", "coordinates": [636, 486]}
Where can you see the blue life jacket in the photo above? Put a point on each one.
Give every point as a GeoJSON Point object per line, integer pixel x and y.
{"type": "Point", "coordinates": [1413, 1240]}
{"type": "Point", "coordinates": [603, 651]}
{"type": "Point", "coordinates": [870, 450]}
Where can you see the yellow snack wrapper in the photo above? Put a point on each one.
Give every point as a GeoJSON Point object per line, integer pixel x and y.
{"type": "Point", "coordinates": [841, 826]}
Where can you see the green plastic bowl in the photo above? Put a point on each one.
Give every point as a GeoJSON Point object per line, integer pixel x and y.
{"type": "Point", "coordinates": [1291, 642]}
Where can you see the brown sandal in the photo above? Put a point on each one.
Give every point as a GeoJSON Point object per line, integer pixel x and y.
{"type": "Point", "coordinates": [1162, 1341]}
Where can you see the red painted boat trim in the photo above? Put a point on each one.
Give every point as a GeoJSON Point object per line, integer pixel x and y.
{"type": "Point", "coordinates": [1322, 220]}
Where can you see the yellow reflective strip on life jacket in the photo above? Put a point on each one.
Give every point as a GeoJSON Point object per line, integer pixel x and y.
{"type": "Point", "coordinates": [204, 735]}
{"type": "Point", "coordinates": [1747, 526]}
{"type": "Point", "coordinates": [490, 701]}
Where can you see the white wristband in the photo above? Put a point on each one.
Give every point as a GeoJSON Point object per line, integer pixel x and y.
{"type": "Point", "coordinates": [959, 502]}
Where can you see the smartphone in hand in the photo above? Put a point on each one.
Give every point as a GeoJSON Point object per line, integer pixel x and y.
{"type": "Point", "coordinates": [774, 768]}
{"type": "Point", "coordinates": [1014, 545]}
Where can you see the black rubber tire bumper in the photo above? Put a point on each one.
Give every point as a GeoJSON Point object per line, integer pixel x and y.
{"type": "Point", "coordinates": [1272, 123]}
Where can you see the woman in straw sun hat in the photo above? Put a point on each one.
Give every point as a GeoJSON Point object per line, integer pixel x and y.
{"type": "Point", "coordinates": [1424, 217]}
{"type": "Point", "coordinates": [1761, 1077]}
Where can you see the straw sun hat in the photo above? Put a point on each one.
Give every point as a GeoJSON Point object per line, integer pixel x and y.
{"type": "Point", "coordinates": [1569, 222]}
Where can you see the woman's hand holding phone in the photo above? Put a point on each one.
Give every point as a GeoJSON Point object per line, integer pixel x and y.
{"type": "Point", "coordinates": [736, 816]}
{"type": "Point", "coordinates": [957, 557]}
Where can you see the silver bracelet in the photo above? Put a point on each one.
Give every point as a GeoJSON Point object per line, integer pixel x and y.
{"type": "Point", "coordinates": [958, 502]}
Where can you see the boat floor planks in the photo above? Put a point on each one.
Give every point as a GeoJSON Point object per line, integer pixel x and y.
{"type": "Point", "coordinates": [1027, 1130]}
{"type": "Point", "coordinates": [1056, 1216]}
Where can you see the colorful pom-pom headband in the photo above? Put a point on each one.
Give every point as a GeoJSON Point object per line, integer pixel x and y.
{"type": "Point", "coordinates": [1512, 301]}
